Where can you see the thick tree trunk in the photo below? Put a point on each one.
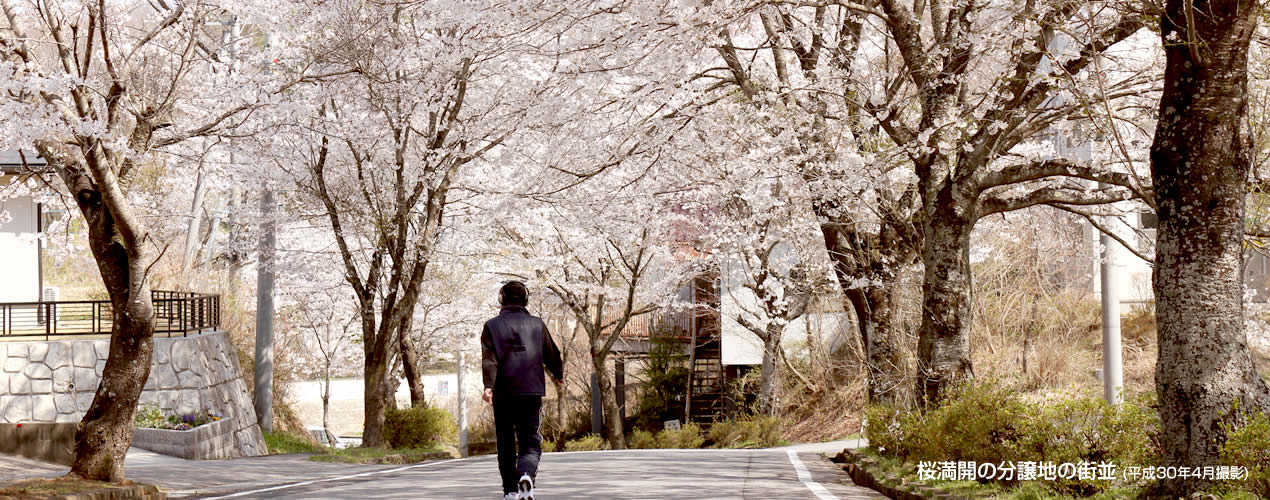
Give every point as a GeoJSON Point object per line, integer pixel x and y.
{"type": "Point", "coordinates": [943, 346]}
{"type": "Point", "coordinates": [1199, 163]}
{"type": "Point", "coordinates": [873, 312]}
{"type": "Point", "coordinates": [105, 433]}
{"type": "Point", "coordinates": [375, 377]}
{"type": "Point", "coordinates": [877, 258]}
{"type": "Point", "coordinates": [769, 374]}
{"type": "Point", "coordinates": [608, 398]}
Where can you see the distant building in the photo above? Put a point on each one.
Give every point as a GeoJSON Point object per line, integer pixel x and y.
{"type": "Point", "coordinates": [21, 274]}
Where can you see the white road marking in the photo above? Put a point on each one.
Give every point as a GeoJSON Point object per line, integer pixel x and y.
{"type": "Point", "coordinates": [805, 477]}
{"type": "Point", "coordinates": [340, 478]}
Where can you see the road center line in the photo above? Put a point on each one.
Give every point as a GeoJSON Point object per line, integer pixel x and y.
{"type": "Point", "coordinates": [340, 478]}
{"type": "Point", "coordinates": [805, 477]}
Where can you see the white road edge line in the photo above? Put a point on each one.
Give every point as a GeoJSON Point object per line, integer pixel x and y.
{"type": "Point", "coordinates": [339, 478]}
{"type": "Point", "coordinates": [805, 477]}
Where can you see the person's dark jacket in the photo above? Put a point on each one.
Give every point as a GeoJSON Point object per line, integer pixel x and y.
{"type": "Point", "coordinates": [515, 347]}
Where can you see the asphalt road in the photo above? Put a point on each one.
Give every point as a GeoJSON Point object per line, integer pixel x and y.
{"type": "Point", "coordinates": [794, 472]}
{"type": "Point", "coordinates": [628, 474]}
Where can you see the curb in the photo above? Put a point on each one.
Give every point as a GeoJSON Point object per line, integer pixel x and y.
{"type": "Point", "coordinates": [136, 491]}
{"type": "Point", "coordinates": [864, 471]}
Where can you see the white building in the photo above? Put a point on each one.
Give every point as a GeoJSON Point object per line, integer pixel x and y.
{"type": "Point", "coordinates": [21, 276]}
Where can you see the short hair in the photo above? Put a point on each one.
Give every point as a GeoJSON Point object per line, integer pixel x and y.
{"type": "Point", "coordinates": [513, 293]}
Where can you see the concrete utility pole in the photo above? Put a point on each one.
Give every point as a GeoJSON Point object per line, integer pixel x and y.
{"type": "Point", "coordinates": [1112, 370]}
{"type": "Point", "coordinates": [462, 409]}
{"type": "Point", "coordinates": [264, 313]}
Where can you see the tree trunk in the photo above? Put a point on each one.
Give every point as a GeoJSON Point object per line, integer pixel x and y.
{"type": "Point", "coordinates": [375, 374]}
{"type": "Point", "coordinates": [561, 424]}
{"type": "Point", "coordinates": [410, 364]}
{"type": "Point", "coordinates": [104, 434]}
{"type": "Point", "coordinates": [878, 259]}
{"type": "Point", "coordinates": [769, 374]}
{"type": "Point", "coordinates": [326, 400]}
{"type": "Point", "coordinates": [196, 218]}
{"type": "Point", "coordinates": [943, 346]}
{"type": "Point", "coordinates": [608, 398]}
{"type": "Point", "coordinates": [1200, 161]}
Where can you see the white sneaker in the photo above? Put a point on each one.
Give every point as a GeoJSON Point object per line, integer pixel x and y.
{"type": "Point", "coordinates": [511, 496]}
{"type": "Point", "coordinates": [526, 487]}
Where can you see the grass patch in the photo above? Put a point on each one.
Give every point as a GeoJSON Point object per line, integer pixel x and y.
{"type": "Point", "coordinates": [385, 455]}
{"type": "Point", "coordinates": [281, 443]}
{"type": "Point", "coordinates": [53, 488]}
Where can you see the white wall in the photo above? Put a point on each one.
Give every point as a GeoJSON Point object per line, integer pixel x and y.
{"type": "Point", "coordinates": [19, 251]}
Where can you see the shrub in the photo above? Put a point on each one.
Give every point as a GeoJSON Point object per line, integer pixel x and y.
{"type": "Point", "coordinates": [642, 439]}
{"type": "Point", "coordinates": [984, 422]}
{"type": "Point", "coordinates": [548, 446]}
{"type": "Point", "coordinates": [1248, 445]}
{"type": "Point", "coordinates": [688, 436]}
{"type": "Point", "coordinates": [667, 372]}
{"type": "Point", "coordinates": [746, 432]}
{"type": "Point", "coordinates": [419, 427]}
{"type": "Point", "coordinates": [589, 442]}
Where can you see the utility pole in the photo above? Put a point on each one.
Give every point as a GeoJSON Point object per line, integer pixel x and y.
{"type": "Point", "coordinates": [1112, 370]}
{"type": "Point", "coordinates": [264, 312]}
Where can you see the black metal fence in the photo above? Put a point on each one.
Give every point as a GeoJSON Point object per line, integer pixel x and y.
{"type": "Point", "coordinates": [174, 312]}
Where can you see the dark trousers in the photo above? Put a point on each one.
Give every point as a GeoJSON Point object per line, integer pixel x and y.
{"type": "Point", "coordinates": [516, 419]}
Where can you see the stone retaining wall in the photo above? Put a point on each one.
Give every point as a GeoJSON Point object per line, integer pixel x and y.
{"type": "Point", "coordinates": [55, 382]}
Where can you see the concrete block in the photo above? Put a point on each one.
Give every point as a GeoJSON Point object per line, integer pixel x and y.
{"type": "Point", "coordinates": [84, 400]}
{"type": "Point", "coordinates": [101, 348]}
{"type": "Point", "coordinates": [100, 367]}
{"type": "Point", "coordinates": [191, 380]}
{"type": "Point", "coordinates": [164, 377]}
{"type": "Point", "coordinates": [162, 351]}
{"type": "Point", "coordinates": [63, 379]}
{"type": "Point", "coordinates": [65, 404]}
{"type": "Point", "coordinates": [69, 417]}
{"type": "Point", "coordinates": [19, 384]}
{"type": "Point", "coordinates": [59, 355]}
{"type": "Point", "coordinates": [86, 379]}
{"type": "Point", "coordinates": [16, 349]}
{"type": "Point", "coordinates": [169, 400]}
{"type": "Point", "coordinates": [4, 382]}
{"type": "Point", "coordinates": [38, 351]}
{"type": "Point", "coordinates": [83, 354]}
{"type": "Point", "coordinates": [37, 370]}
{"type": "Point", "coordinates": [18, 409]}
{"type": "Point", "coordinates": [149, 397]}
{"type": "Point", "coordinates": [41, 386]}
{"type": "Point", "coordinates": [15, 364]}
{"type": "Point", "coordinates": [182, 354]}
{"type": "Point", "coordinates": [43, 408]}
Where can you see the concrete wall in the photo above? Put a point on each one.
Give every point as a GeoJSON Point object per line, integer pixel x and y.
{"type": "Point", "coordinates": [53, 443]}
{"type": "Point", "coordinates": [205, 442]}
{"type": "Point", "coordinates": [56, 381]}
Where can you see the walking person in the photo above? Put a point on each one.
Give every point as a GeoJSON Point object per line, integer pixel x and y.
{"type": "Point", "coordinates": [515, 347]}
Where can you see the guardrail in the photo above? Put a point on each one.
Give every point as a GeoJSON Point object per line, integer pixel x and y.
{"type": "Point", "coordinates": [174, 312]}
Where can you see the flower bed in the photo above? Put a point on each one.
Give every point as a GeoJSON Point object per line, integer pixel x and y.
{"type": "Point", "coordinates": [190, 436]}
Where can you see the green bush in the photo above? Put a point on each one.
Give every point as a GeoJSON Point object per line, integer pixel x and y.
{"type": "Point", "coordinates": [419, 427]}
{"type": "Point", "coordinates": [746, 432]}
{"type": "Point", "coordinates": [688, 436]}
{"type": "Point", "coordinates": [1248, 445]}
{"type": "Point", "coordinates": [589, 442]}
{"type": "Point", "coordinates": [985, 422]}
{"type": "Point", "coordinates": [548, 446]}
{"type": "Point", "coordinates": [642, 439]}
{"type": "Point", "coordinates": [667, 372]}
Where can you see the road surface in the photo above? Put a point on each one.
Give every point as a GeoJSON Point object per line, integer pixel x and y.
{"type": "Point", "coordinates": [630, 474]}
{"type": "Point", "coordinates": [796, 472]}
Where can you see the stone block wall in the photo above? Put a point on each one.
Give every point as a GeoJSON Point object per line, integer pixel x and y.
{"type": "Point", "coordinates": [55, 382]}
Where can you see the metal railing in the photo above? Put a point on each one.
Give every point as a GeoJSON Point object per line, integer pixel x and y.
{"type": "Point", "coordinates": [174, 312]}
